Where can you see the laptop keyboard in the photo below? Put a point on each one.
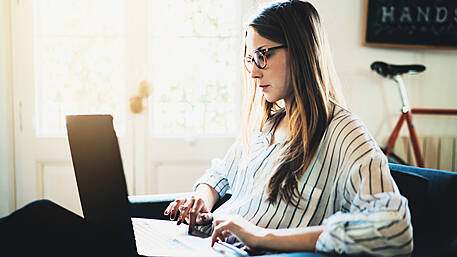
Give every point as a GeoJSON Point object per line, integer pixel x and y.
{"type": "Point", "coordinates": [152, 236]}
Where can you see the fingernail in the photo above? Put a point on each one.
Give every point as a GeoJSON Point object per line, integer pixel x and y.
{"type": "Point", "coordinates": [179, 222]}
{"type": "Point", "coordinates": [172, 216]}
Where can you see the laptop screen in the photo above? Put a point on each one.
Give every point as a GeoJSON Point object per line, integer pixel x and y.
{"type": "Point", "coordinates": [100, 176]}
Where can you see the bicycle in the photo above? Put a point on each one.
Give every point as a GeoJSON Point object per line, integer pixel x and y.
{"type": "Point", "coordinates": [395, 72]}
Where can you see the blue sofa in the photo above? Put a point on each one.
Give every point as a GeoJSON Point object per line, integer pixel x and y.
{"type": "Point", "coordinates": [430, 193]}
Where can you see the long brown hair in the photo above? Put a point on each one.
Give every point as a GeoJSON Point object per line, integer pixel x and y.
{"type": "Point", "coordinates": [296, 24]}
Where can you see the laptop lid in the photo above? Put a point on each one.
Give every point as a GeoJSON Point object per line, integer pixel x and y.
{"type": "Point", "coordinates": [100, 176]}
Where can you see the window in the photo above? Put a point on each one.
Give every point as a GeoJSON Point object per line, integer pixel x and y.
{"type": "Point", "coordinates": [194, 65]}
{"type": "Point", "coordinates": [79, 59]}
{"type": "Point", "coordinates": [195, 59]}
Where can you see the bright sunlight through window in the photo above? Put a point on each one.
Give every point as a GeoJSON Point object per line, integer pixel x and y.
{"type": "Point", "coordinates": [79, 61]}
{"type": "Point", "coordinates": [193, 54]}
{"type": "Point", "coordinates": [195, 66]}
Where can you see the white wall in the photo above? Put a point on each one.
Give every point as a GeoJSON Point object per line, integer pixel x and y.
{"type": "Point", "coordinates": [375, 99]}
{"type": "Point", "coordinates": [6, 129]}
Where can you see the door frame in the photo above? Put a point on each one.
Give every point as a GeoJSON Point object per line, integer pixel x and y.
{"type": "Point", "coordinates": [8, 185]}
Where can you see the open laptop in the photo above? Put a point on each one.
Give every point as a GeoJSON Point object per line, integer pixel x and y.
{"type": "Point", "coordinates": [104, 198]}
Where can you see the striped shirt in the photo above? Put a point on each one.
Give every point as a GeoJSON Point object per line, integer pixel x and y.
{"type": "Point", "coordinates": [347, 186]}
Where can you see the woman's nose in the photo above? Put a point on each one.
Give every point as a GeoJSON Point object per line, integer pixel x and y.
{"type": "Point", "coordinates": [256, 72]}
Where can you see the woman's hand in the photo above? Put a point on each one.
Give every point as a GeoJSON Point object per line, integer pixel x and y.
{"type": "Point", "coordinates": [192, 209]}
{"type": "Point", "coordinates": [293, 239]}
{"type": "Point", "coordinates": [250, 234]}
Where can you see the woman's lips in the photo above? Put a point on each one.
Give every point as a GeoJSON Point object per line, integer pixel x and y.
{"type": "Point", "coordinates": [264, 87]}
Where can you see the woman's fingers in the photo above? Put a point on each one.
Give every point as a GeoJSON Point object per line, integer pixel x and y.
{"type": "Point", "coordinates": [167, 210]}
{"type": "Point", "coordinates": [221, 230]}
{"type": "Point", "coordinates": [238, 227]}
{"type": "Point", "coordinates": [225, 234]}
{"type": "Point", "coordinates": [173, 208]}
{"type": "Point", "coordinates": [169, 207]}
{"type": "Point", "coordinates": [189, 209]}
{"type": "Point", "coordinates": [185, 209]}
{"type": "Point", "coordinates": [195, 211]}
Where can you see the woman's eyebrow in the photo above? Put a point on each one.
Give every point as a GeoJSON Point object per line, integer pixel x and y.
{"type": "Point", "coordinates": [260, 47]}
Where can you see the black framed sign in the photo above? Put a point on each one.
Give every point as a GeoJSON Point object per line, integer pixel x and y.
{"type": "Point", "coordinates": [411, 23]}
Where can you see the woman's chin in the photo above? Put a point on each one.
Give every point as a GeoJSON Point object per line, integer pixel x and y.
{"type": "Point", "coordinates": [270, 99]}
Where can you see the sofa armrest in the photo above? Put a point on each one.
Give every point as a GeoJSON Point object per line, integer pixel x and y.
{"type": "Point", "coordinates": [153, 206]}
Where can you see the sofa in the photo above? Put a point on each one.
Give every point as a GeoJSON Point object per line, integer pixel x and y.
{"type": "Point", "coordinates": [430, 194]}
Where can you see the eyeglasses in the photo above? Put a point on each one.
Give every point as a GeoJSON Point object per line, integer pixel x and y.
{"type": "Point", "coordinates": [259, 58]}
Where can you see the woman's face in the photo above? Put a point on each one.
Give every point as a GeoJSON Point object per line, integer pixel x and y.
{"type": "Point", "coordinates": [274, 79]}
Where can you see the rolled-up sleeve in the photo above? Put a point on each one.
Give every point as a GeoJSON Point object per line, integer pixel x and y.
{"type": "Point", "coordinates": [223, 171]}
{"type": "Point", "coordinates": [378, 221]}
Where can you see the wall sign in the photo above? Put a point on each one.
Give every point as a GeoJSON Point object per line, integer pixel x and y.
{"type": "Point", "coordinates": [411, 23]}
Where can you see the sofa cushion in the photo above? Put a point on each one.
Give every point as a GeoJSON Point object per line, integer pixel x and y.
{"type": "Point", "coordinates": [414, 188]}
{"type": "Point", "coordinates": [431, 205]}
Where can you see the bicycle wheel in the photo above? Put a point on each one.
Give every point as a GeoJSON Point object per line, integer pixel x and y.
{"type": "Point", "coordinates": [393, 158]}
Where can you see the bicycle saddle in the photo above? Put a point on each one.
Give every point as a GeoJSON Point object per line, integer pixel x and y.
{"type": "Point", "coordinates": [385, 69]}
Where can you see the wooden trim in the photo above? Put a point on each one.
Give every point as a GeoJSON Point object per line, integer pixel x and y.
{"type": "Point", "coordinates": [7, 155]}
{"type": "Point", "coordinates": [39, 167]}
{"type": "Point", "coordinates": [365, 19]}
{"type": "Point", "coordinates": [39, 171]}
{"type": "Point", "coordinates": [409, 46]}
{"type": "Point", "coordinates": [434, 111]}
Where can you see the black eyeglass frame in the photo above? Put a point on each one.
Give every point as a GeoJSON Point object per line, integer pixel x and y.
{"type": "Point", "coordinates": [263, 52]}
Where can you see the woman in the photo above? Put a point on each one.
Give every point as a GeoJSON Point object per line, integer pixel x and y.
{"type": "Point", "coordinates": [306, 175]}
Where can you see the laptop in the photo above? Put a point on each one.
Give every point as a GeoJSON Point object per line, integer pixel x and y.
{"type": "Point", "coordinates": [104, 197]}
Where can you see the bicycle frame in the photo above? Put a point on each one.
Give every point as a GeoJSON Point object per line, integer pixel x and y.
{"type": "Point", "coordinates": [406, 115]}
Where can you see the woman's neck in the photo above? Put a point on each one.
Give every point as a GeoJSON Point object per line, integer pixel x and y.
{"type": "Point", "coordinates": [287, 104]}
{"type": "Point", "coordinates": [281, 131]}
